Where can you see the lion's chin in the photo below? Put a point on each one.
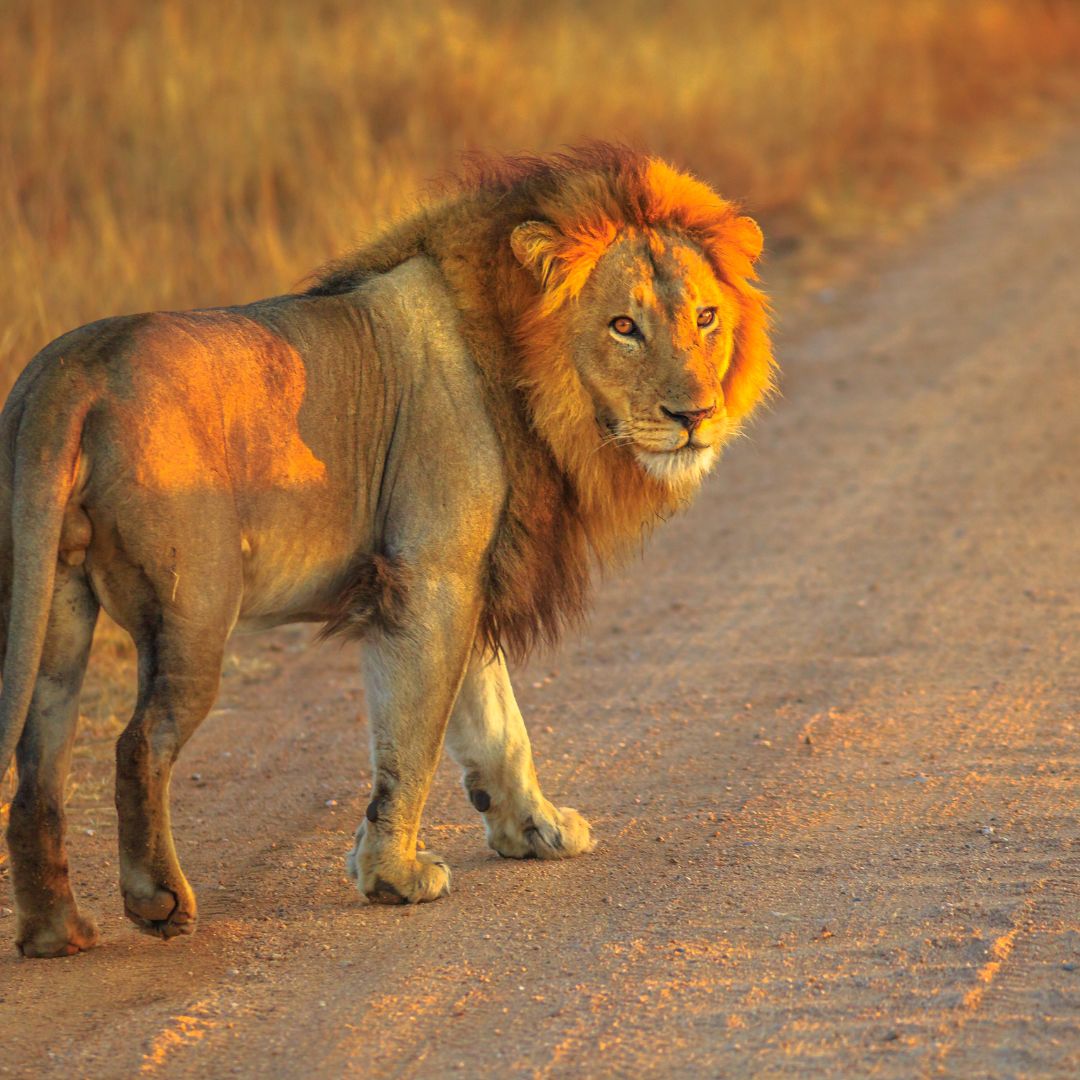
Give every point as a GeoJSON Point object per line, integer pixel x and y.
{"type": "Point", "coordinates": [683, 468]}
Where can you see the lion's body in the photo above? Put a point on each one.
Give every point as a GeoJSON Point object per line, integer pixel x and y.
{"type": "Point", "coordinates": [427, 449]}
{"type": "Point", "coordinates": [267, 450]}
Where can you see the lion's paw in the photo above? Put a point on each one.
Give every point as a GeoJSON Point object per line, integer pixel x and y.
{"type": "Point", "coordinates": [547, 833]}
{"type": "Point", "coordinates": [64, 934]}
{"type": "Point", "coordinates": [415, 881]}
{"type": "Point", "coordinates": [159, 911]}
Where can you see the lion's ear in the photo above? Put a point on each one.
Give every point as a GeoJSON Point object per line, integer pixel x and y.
{"type": "Point", "coordinates": [535, 245]}
{"type": "Point", "coordinates": [748, 236]}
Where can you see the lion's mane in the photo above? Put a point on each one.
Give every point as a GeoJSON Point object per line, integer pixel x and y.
{"type": "Point", "coordinates": [572, 499]}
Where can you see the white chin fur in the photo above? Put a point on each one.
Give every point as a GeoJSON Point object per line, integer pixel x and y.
{"type": "Point", "coordinates": [679, 469]}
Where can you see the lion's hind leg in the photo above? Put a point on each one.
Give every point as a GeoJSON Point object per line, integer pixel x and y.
{"type": "Point", "coordinates": [487, 738]}
{"type": "Point", "coordinates": [178, 596]}
{"type": "Point", "coordinates": [49, 920]}
{"type": "Point", "coordinates": [179, 674]}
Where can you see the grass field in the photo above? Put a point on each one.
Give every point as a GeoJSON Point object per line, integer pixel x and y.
{"type": "Point", "coordinates": [169, 154]}
{"type": "Point", "coordinates": [157, 153]}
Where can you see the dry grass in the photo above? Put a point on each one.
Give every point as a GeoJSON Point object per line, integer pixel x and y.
{"type": "Point", "coordinates": [170, 154]}
{"type": "Point", "coordinates": [159, 153]}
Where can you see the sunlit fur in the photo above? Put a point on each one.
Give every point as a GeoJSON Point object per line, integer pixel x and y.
{"type": "Point", "coordinates": [575, 492]}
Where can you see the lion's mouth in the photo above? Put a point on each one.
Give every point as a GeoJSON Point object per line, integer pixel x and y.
{"type": "Point", "coordinates": [679, 466]}
{"type": "Point", "coordinates": [686, 464]}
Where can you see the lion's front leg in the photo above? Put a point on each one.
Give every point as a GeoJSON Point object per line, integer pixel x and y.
{"type": "Point", "coordinates": [411, 677]}
{"type": "Point", "coordinates": [487, 738]}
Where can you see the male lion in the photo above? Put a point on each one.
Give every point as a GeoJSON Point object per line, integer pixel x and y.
{"type": "Point", "coordinates": [429, 448]}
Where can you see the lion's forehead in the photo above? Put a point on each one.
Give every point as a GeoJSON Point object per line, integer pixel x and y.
{"type": "Point", "coordinates": [684, 278]}
{"type": "Point", "coordinates": [670, 276]}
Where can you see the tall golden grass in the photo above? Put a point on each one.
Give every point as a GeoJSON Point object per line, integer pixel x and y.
{"type": "Point", "coordinates": [174, 153]}
{"type": "Point", "coordinates": [171, 153]}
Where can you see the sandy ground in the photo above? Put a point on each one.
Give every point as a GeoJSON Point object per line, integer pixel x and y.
{"type": "Point", "coordinates": [826, 732]}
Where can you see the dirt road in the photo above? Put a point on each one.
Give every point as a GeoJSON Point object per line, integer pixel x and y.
{"type": "Point", "coordinates": [826, 732]}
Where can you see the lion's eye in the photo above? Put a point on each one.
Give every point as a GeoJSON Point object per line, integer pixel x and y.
{"type": "Point", "coordinates": [624, 326]}
{"type": "Point", "coordinates": [706, 317]}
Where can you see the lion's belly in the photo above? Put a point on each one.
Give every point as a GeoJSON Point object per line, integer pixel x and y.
{"type": "Point", "coordinates": [296, 545]}
{"type": "Point", "coordinates": [288, 586]}
{"type": "Point", "coordinates": [285, 582]}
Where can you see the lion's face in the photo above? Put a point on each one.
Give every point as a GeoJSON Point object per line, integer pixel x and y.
{"type": "Point", "coordinates": [652, 334]}
{"type": "Point", "coordinates": [641, 330]}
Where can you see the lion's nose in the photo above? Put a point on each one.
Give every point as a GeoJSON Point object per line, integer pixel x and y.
{"type": "Point", "coordinates": [689, 418]}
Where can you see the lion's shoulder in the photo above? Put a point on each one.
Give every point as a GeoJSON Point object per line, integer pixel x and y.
{"type": "Point", "coordinates": [415, 321]}
{"type": "Point", "coordinates": [413, 302]}
{"type": "Point", "coordinates": [450, 422]}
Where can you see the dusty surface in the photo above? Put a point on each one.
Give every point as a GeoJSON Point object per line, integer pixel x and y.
{"type": "Point", "coordinates": [826, 731]}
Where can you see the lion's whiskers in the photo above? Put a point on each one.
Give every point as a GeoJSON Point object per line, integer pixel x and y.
{"type": "Point", "coordinates": [616, 438]}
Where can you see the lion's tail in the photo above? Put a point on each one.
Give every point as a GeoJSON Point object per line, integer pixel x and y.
{"type": "Point", "coordinates": [42, 479]}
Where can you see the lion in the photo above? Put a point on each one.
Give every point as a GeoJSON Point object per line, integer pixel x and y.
{"type": "Point", "coordinates": [432, 447]}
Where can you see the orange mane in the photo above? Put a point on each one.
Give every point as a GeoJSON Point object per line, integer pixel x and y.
{"type": "Point", "coordinates": [572, 499]}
